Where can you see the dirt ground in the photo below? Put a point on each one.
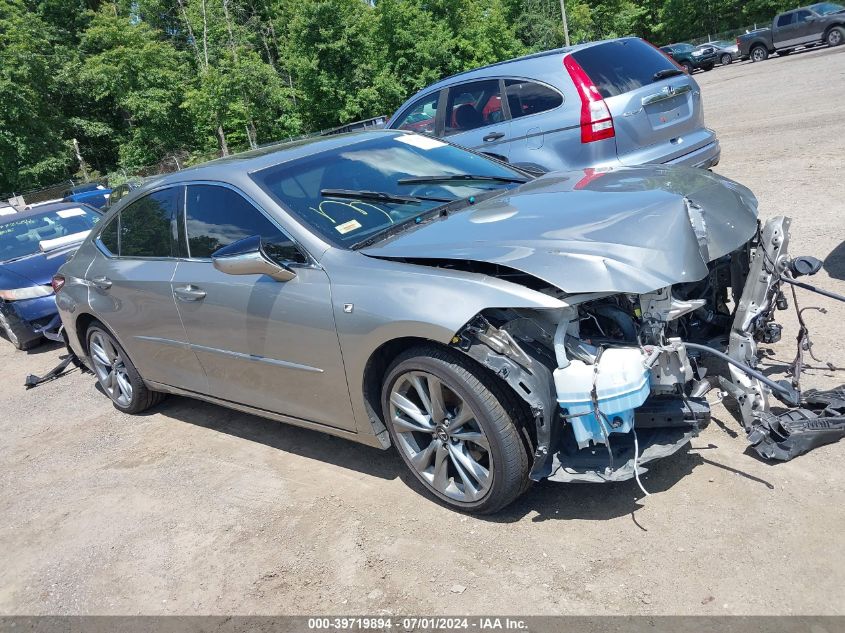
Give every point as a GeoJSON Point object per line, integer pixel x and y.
{"type": "Point", "coordinates": [194, 509]}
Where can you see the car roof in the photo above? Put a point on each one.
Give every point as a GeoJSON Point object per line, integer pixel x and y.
{"type": "Point", "coordinates": [483, 71]}
{"type": "Point", "coordinates": [45, 208]}
{"type": "Point", "coordinates": [264, 157]}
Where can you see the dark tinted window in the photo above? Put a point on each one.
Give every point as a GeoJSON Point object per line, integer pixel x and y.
{"type": "Point", "coordinates": [528, 97]}
{"type": "Point", "coordinates": [421, 115]}
{"type": "Point", "coordinates": [473, 105]}
{"type": "Point", "coordinates": [801, 16]}
{"type": "Point", "coordinates": [108, 236]}
{"type": "Point", "coordinates": [217, 216]}
{"type": "Point", "coordinates": [621, 66]}
{"type": "Point", "coordinates": [147, 225]}
{"type": "Point", "coordinates": [786, 19]}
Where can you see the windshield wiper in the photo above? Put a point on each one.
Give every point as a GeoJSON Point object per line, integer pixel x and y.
{"type": "Point", "coordinates": [19, 257]}
{"type": "Point", "coordinates": [421, 180]}
{"type": "Point", "coordinates": [378, 195]}
{"type": "Point", "coordinates": [667, 72]}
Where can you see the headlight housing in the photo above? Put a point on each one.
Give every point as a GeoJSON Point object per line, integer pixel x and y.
{"type": "Point", "coordinates": [31, 292]}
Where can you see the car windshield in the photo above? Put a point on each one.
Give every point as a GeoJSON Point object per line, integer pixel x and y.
{"type": "Point", "coordinates": [22, 236]}
{"type": "Point", "coordinates": [349, 194]}
{"type": "Point", "coordinates": [826, 8]}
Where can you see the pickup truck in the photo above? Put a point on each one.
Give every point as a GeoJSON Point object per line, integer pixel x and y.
{"type": "Point", "coordinates": [822, 23]}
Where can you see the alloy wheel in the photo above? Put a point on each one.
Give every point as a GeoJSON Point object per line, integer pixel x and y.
{"type": "Point", "coordinates": [110, 368]}
{"type": "Point", "coordinates": [834, 38]}
{"type": "Point", "coordinates": [758, 54]}
{"type": "Point", "coordinates": [439, 433]}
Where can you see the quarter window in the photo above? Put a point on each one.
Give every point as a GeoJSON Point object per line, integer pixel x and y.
{"type": "Point", "coordinates": [109, 235]}
{"type": "Point", "coordinates": [473, 105]}
{"type": "Point", "coordinates": [528, 97]}
{"type": "Point", "coordinates": [147, 226]}
{"type": "Point", "coordinates": [421, 115]}
{"type": "Point", "coordinates": [217, 216]}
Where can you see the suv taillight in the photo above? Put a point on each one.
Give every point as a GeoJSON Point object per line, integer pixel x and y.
{"type": "Point", "coordinates": [596, 122]}
{"type": "Point", "coordinates": [58, 282]}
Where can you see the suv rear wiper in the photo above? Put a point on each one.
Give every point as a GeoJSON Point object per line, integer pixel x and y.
{"type": "Point", "coordinates": [378, 195]}
{"type": "Point", "coordinates": [667, 72]}
{"type": "Point", "coordinates": [420, 180]}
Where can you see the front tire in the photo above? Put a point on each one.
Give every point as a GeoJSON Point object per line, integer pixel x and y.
{"type": "Point", "coordinates": [759, 54]}
{"type": "Point", "coordinates": [116, 373]}
{"type": "Point", "coordinates": [835, 36]}
{"type": "Point", "coordinates": [17, 335]}
{"type": "Point", "coordinates": [726, 59]}
{"type": "Point", "coordinates": [457, 429]}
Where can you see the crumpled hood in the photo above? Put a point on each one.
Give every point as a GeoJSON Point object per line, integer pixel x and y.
{"type": "Point", "coordinates": [621, 230]}
{"type": "Point", "coordinates": [37, 270]}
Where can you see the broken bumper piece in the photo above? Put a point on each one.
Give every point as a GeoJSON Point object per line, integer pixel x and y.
{"type": "Point", "coordinates": [663, 425]}
{"type": "Point", "coordinates": [818, 421]}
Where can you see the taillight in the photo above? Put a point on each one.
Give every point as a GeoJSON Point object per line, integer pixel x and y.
{"type": "Point", "coordinates": [58, 282]}
{"type": "Point", "coordinates": [596, 122]}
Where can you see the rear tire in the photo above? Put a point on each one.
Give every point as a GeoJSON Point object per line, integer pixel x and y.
{"type": "Point", "coordinates": [116, 373]}
{"type": "Point", "coordinates": [688, 68]}
{"type": "Point", "coordinates": [835, 36]}
{"type": "Point", "coordinates": [473, 460]}
{"type": "Point", "coordinates": [707, 67]}
{"type": "Point", "coordinates": [726, 59]}
{"type": "Point", "coordinates": [759, 53]}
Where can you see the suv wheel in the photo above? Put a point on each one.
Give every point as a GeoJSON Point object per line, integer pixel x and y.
{"type": "Point", "coordinates": [456, 429]}
{"type": "Point", "coordinates": [759, 53]}
{"type": "Point", "coordinates": [726, 59]}
{"type": "Point", "coordinates": [836, 36]}
{"type": "Point", "coordinates": [116, 373]}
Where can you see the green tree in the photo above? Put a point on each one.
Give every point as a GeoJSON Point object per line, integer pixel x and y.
{"type": "Point", "coordinates": [32, 149]}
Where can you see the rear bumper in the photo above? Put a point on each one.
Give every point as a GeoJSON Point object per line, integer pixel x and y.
{"type": "Point", "coordinates": [703, 157]}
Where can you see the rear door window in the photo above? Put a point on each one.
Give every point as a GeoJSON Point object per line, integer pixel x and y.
{"type": "Point", "coordinates": [786, 19]}
{"type": "Point", "coordinates": [529, 97]}
{"type": "Point", "coordinates": [421, 116]}
{"type": "Point", "coordinates": [216, 216]}
{"type": "Point", "coordinates": [620, 66]}
{"type": "Point", "coordinates": [473, 105]}
{"type": "Point", "coordinates": [148, 225]}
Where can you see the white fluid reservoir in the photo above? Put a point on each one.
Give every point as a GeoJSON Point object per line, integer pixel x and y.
{"type": "Point", "coordinates": [622, 385]}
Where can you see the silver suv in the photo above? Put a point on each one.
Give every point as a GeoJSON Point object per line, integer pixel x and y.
{"type": "Point", "coordinates": [602, 104]}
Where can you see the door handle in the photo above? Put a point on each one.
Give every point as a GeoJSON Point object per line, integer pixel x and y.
{"type": "Point", "coordinates": [103, 283]}
{"type": "Point", "coordinates": [189, 293]}
{"type": "Point", "coordinates": [493, 136]}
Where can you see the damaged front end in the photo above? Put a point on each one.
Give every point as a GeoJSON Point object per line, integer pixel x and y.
{"type": "Point", "coordinates": [617, 380]}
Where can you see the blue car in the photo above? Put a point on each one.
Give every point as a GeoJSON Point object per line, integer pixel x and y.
{"type": "Point", "coordinates": [33, 245]}
{"type": "Point", "coordinates": [92, 193]}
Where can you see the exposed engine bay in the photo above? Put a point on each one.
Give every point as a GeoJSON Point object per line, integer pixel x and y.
{"type": "Point", "coordinates": [614, 381]}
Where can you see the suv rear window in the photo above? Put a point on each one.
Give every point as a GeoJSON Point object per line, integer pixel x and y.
{"type": "Point", "coordinates": [621, 66]}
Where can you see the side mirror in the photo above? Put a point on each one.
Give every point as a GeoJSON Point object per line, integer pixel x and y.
{"type": "Point", "coordinates": [247, 257]}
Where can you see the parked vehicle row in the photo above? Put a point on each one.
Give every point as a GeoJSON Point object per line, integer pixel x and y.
{"type": "Point", "coordinates": [821, 23]}
{"type": "Point", "coordinates": [496, 323]}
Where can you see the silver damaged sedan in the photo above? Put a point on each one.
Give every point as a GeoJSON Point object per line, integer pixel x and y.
{"type": "Point", "coordinates": [396, 290]}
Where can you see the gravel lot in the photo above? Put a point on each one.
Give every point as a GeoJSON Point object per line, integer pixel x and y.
{"type": "Point", "coordinates": [195, 509]}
